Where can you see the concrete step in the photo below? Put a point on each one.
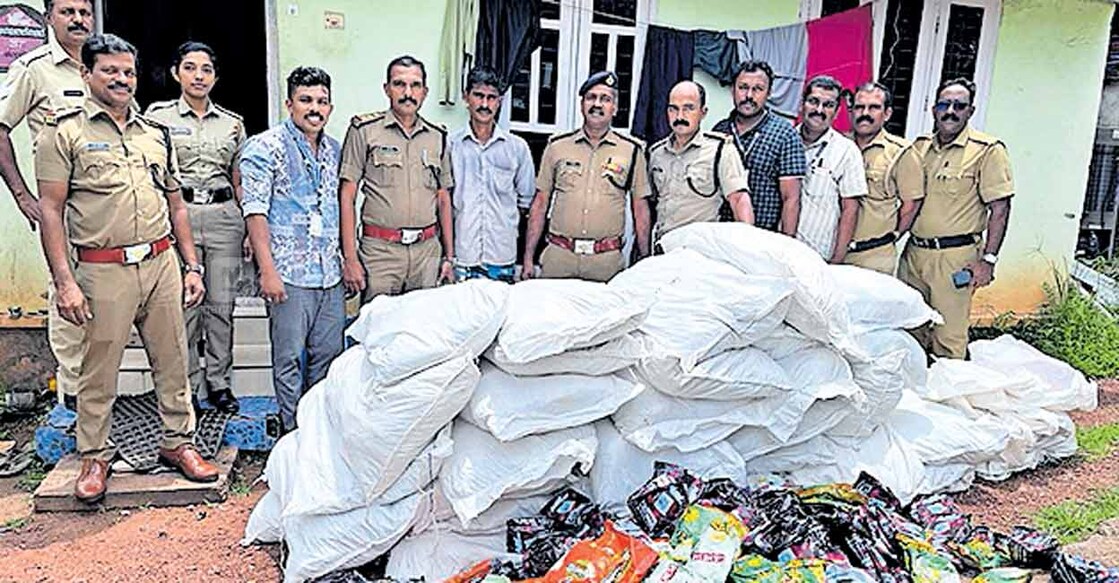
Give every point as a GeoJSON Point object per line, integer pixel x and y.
{"type": "Point", "coordinates": [244, 356]}
{"type": "Point", "coordinates": [247, 382]}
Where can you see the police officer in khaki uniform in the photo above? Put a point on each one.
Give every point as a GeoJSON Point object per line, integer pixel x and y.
{"type": "Point", "coordinates": [692, 172]}
{"type": "Point", "coordinates": [115, 173]}
{"type": "Point", "coordinates": [584, 179]}
{"type": "Point", "coordinates": [39, 84]}
{"type": "Point", "coordinates": [893, 173]}
{"type": "Point", "coordinates": [401, 164]}
{"type": "Point", "coordinates": [207, 139]}
{"type": "Point", "coordinates": [960, 227]}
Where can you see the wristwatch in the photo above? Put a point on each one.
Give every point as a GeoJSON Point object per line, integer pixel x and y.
{"type": "Point", "coordinates": [990, 258]}
{"type": "Point", "coordinates": [196, 268]}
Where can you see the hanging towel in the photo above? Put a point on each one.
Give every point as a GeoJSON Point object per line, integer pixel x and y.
{"type": "Point", "coordinates": [840, 45]}
{"type": "Point", "coordinates": [785, 48]}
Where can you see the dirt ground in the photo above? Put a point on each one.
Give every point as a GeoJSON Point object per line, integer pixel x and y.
{"type": "Point", "coordinates": [203, 543]}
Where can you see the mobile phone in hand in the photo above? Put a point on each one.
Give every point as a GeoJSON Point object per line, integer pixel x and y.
{"type": "Point", "coordinates": [962, 278]}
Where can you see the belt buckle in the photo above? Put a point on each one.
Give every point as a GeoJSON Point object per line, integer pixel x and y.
{"type": "Point", "coordinates": [202, 196]}
{"type": "Point", "coordinates": [136, 253]}
{"type": "Point", "coordinates": [409, 236]}
{"type": "Point", "coordinates": [584, 246]}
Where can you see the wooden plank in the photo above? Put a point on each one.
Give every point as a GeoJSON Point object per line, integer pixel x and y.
{"type": "Point", "coordinates": [23, 323]}
{"type": "Point", "coordinates": [132, 490]}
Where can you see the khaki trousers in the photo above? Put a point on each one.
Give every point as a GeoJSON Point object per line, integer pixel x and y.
{"type": "Point", "coordinates": [218, 231]}
{"type": "Point", "coordinates": [149, 295]}
{"type": "Point", "coordinates": [393, 268]}
{"type": "Point", "coordinates": [559, 263]}
{"type": "Point", "coordinates": [882, 259]}
{"type": "Point", "coordinates": [930, 271]}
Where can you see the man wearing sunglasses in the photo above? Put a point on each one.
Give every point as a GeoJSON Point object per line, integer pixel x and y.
{"type": "Point", "coordinates": [960, 227]}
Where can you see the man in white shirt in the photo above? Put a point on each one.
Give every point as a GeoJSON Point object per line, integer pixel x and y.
{"type": "Point", "coordinates": [494, 183]}
{"type": "Point", "coordinates": [836, 178]}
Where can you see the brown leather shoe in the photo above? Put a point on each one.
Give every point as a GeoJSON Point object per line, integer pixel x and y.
{"type": "Point", "coordinates": [92, 481]}
{"type": "Point", "coordinates": [188, 461]}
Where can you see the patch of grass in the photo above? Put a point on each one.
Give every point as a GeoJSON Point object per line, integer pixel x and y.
{"type": "Point", "coordinates": [1099, 441]}
{"type": "Point", "coordinates": [240, 486]}
{"type": "Point", "coordinates": [15, 523]}
{"type": "Point", "coordinates": [1074, 521]}
{"type": "Point", "coordinates": [32, 477]}
{"type": "Point", "coordinates": [1068, 326]}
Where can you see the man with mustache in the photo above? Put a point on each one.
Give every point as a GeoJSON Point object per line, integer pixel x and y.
{"type": "Point", "coordinates": [39, 84]}
{"type": "Point", "coordinates": [494, 184]}
{"type": "Point", "coordinates": [771, 150]}
{"type": "Point", "coordinates": [116, 174]}
{"type": "Point", "coordinates": [693, 172]}
{"type": "Point", "coordinates": [584, 181]}
{"type": "Point", "coordinates": [400, 162]}
{"type": "Point", "coordinates": [289, 184]}
{"type": "Point", "coordinates": [836, 179]}
{"type": "Point", "coordinates": [893, 173]}
{"type": "Point", "coordinates": [961, 224]}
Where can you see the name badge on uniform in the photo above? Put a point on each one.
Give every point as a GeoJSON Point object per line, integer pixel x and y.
{"type": "Point", "coordinates": [388, 149]}
{"type": "Point", "coordinates": [180, 131]}
{"type": "Point", "coordinates": [97, 147]}
{"type": "Point", "coordinates": [73, 93]}
{"type": "Point", "coordinates": [316, 225]}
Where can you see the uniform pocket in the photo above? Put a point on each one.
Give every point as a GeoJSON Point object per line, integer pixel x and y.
{"type": "Point", "coordinates": [568, 176]}
{"type": "Point", "coordinates": [876, 181]}
{"type": "Point", "coordinates": [102, 171]}
{"type": "Point", "coordinates": [955, 182]}
{"type": "Point", "coordinates": [701, 178]}
{"type": "Point", "coordinates": [387, 166]}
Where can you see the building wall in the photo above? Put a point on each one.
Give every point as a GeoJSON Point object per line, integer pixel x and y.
{"type": "Point", "coordinates": [1045, 96]}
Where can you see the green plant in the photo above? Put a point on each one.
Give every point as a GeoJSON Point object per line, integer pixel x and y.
{"type": "Point", "coordinates": [32, 477]}
{"type": "Point", "coordinates": [1069, 326]}
{"type": "Point", "coordinates": [1099, 441]}
{"type": "Point", "coordinates": [1074, 520]}
{"type": "Point", "coordinates": [15, 523]}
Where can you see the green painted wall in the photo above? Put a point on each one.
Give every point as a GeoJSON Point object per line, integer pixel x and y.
{"type": "Point", "coordinates": [1044, 100]}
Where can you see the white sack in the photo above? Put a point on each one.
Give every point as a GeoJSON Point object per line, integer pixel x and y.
{"type": "Point", "coordinates": [620, 468]}
{"type": "Point", "coordinates": [785, 341]}
{"type": "Point", "coordinates": [512, 407]}
{"type": "Point", "coordinates": [320, 544]}
{"type": "Point", "coordinates": [435, 556]}
{"type": "Point", "coordinates": [942, 435]}
{"type": "Point", "coordinates": [817, 451]}
{"type": "Point", "coordinates": [549, 316]}
{"type": "Point", "coordinates": [884, 455]}
{"type": "Point", "coordinates": [357, 438]}
{"type": "Point", "coordinates": [1065, 388]}
{"type": "Point", "coordinates": [950, 378]}
{"type": "Point", "coordinates": [483, 469]}
{"type": "Point", "coordinates": [822, 415]}
{"type": "Point", "coordinates": [700, 307]}
{"type": "Point", "coordinates": [882, 381]}
{"type": "Point", "coordinates": [818, 309]}
{"type": "Point", "coordinates": [876, 301]}
{"type": "Point", "coordinates": [733, 375]}
{"type": "Point", "coordinates": [915, 366]}
{"type": "Point", "coordinates": [609, 357]}
{"type": "Point", "coordinates": [947, 478]}
{"type": "Point", "coordinates": [492, 521]}
{"type": "Point", "coordinates": [407, 333]}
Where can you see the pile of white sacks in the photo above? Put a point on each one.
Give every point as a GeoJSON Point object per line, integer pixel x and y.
{"type": "Point", "coordinates": [738, 353]}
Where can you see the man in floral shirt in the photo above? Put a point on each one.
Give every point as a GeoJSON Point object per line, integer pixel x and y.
{"type": "Point", "coordinates": [289, 175]}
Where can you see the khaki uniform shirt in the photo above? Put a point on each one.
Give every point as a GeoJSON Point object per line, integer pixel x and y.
{"type": "Point", "coordinates": [589, 184]}
{"type": "Point", "coordinates": [116, 178]}
{"type": "Point", "coordinates": [399, 174]}
{"type": "Point", "coordinates": [893, 172]}
{"type": "Point", "coordinates": [960, 179]}
{"type": "Point", "coordinates": [39, 84]}
{"type": "Point", "coordinates": [688, 185]}
{"type": "Point", "coordinates": [207, 147]}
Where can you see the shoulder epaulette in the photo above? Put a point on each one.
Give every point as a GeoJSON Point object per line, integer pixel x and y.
{"type": "Point", "coordinates": [982, 138]}
{"type": "Point", "coordinates": [658, 144]}
{"type": "Point", "coordinates": [896, 140]}
{"type": "Point", "coordinates": [636, 142]}
{"type": "Point", "coordinates": [562, 136]}
{"type": "Point", "coordinates": [230, 113]}
{"type": "Point", "coordinates": [52, 120]}
{"type": "Point", "coordinates": [922, 140]}
{"type": "Point", "coordinates": [725, 137]}
{"type": "Point", "coordinates": [35, 54]}
{"type": "Point", "coordinates": [153, 122]}
{"type": "Point", "coordinates": [158, 105]}
{"type": "Point", "coordinates": [365, 119]}
{"type": "Point", "coordinates": [435, 126]}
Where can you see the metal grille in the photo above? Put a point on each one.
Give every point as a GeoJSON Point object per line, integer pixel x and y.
{"type": "Point", "coordinates": [136, 431]}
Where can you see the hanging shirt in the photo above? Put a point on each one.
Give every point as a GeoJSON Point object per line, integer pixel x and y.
{"type": "Point", "coordinates": [297, 190]}
{"type": "Point", "coordinates": [835, 170]}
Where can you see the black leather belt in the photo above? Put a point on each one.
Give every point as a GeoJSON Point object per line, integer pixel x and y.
{"type": "Point", "coordinates": [202, 196]}
{"type": "Point", "coordinates": [949, 242]}
{"type": "Point", "coordinates": [868, 244]}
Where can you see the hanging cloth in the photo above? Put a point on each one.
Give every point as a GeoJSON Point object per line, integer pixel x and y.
{"type": "Point", "coordinates": [668, 60]}
{"type": "Point", "coordinates": [508, 33]}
